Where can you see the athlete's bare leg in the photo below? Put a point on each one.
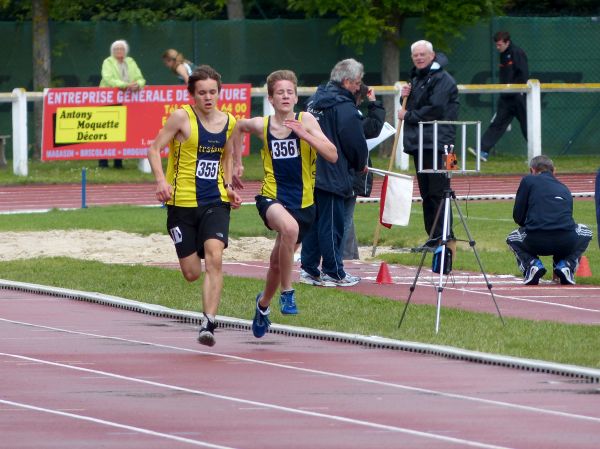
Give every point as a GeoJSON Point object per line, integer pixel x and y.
{"type": "Point", "coordinates": [279, 274]}
{"type": "Point", "coordinates": [213, 279]}
{"type": "Point", "coordinates": [191, 267]}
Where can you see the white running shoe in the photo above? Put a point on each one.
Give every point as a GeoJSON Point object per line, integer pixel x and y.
{"type": "Point", "coordinates": [348, 281]}
{"type": "Point", "coordinates": [307, 278]}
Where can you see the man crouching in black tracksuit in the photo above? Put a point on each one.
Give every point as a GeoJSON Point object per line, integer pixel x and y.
{"type": "Point", "coordinates": [544, 211]}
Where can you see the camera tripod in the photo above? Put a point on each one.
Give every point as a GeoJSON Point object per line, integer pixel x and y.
{"type": "Point", "coordinates": [446, 205]}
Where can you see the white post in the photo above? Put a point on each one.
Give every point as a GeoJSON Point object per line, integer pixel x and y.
{"type": "Point", "coordinates": [19, 129]}
{"type": "Point", "coordinates": [267, 107]}
{"type": "Point", "coordinates": [401, 157]}
{"type": "Point", "coordinates": [534, 119]}
{"type": "Point", "coordinates": [144, 166]}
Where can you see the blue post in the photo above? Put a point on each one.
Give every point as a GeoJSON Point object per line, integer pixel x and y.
{"type": "Point", "coordinates": [83, 186]}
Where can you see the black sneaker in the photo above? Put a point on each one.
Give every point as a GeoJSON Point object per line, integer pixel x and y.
{"type": "Point", "coordinates": [428, 247]}
{"type": "Point", "coordinates": [534, 273]}
{"type": "Point", "coordinates": [564, 273]}
{"type": "Point", "coordinates": [261, 322]}
{"type": "Point", "coordinates": [207, 330]}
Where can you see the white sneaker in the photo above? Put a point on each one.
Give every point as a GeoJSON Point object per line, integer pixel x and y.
{"type": "Point", "coordinates": [353, 278]}
{"type": "Point", "coordinates": [348, 281]}
{"type": "Point", "coordinates": [483, 155]}
{"type": "Point", "coordinates": [307, 278]}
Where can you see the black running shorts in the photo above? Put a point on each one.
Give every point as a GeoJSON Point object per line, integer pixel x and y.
{"type": "Point", "coordinates": [190, 227]}
{"type": "Point", "coordinates": [304, 217]}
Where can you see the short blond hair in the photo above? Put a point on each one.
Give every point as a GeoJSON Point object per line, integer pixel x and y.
{"type": "Point", "coordinates": [281, 75]}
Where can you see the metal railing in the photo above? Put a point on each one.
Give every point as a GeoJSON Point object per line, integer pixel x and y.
{"type": "Point", "coordinates": [19, 98]}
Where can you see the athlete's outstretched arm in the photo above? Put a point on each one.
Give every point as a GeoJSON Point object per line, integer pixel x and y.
{"type": "Point", "coordinates": [310, 131]}
{"type": "Point", "coordinates": [252, 126]}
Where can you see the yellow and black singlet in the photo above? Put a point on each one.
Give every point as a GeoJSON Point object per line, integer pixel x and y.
{"type": "Point", "coordinates": [289, 166]}
{"type": "Point", "coordinates": [194, 167]}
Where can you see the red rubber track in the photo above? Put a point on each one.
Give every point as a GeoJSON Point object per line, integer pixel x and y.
{"type": "Point", "coordinates": [42, 197]}
{"type": "Point", "coordinates": [78, 375]}
{"type": "Point", "coordinates": [576, 304]}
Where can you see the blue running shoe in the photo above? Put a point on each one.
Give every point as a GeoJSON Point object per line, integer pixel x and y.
{"type": "Point", "coordinates": [534, 273]}
{"type": "Point", "coordinates": [287, 303]}
{"type": "Point", "coordinates": [564, 273]}
{"type": "Point", "coordinates": [261, 322]}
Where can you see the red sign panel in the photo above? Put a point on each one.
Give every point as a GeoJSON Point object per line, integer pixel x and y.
{"type": "Point", "coordinates": [109, 123]}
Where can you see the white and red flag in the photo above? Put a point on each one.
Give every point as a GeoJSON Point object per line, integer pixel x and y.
{"type": "Point", "coordinates": [396, 198]}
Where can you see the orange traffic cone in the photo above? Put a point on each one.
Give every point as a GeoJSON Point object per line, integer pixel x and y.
{"type": "Point", "coordinates": [583, 270]}
{"type": "Point", "coordinates": [383, 276]}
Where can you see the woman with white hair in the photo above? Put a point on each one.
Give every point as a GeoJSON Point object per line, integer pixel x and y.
{"type": "Point", "coordinates": [120, 70]}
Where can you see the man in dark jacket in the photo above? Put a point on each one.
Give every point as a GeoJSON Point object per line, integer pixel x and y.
{"type": "Point", "coordinates": [513, 70]}
{"type": "Point", "coordinates": [372, 122]}
{"type": "Point", "coordinates": [432, 95]}
{"type": "Point", "coordinates": [334, 106]}
{"type": "Point", "coordinates": [544, 211]}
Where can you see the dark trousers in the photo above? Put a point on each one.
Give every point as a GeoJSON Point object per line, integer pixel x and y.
{"type": "Point", "coordinates": [509, 107]}
{"type": "Point", "coordinates": [103, 163]}
{"type": "Point", "coordinates": [349, 244]}
{"type": "Point", "coordinates": [561, 245]}
{"type": "Point", "coordinates": [432, 187]}
{"type": "Point", "coordinates": [324, 239]}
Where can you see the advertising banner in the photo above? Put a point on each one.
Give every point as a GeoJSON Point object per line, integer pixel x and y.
{"type": "Point", "coordinates": [109, 123]}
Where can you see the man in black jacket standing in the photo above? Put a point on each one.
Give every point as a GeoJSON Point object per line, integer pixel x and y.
{"type": "Point", "coordinates": [513, 70]}
{"type": "Point", "coordinates": [334, 106]}
{"type": "Point", "coordinates": [544, 212]}
{"type": "Point", "coordinates": [432, 95]}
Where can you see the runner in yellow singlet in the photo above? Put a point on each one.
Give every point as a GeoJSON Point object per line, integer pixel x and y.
{"type": "Point", "coordinates": [197, 187]}
{"type": "Point", "coordinates": [285, 203]}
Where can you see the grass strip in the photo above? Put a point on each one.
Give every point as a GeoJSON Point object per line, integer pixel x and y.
{"type": "Point", "coordinates": [327, 309]}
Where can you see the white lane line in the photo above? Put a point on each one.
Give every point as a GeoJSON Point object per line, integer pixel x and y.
{"type": "Point", "coordinates": [114, 424]}
{"type": "Point", "coordinates": [548, 296]}
{"type": "Point", "coordinates": [527, 299]}
{"type": "Point", "coordinates": [266, 405]}
{"type": "Point", "coordinates": [328, 373]}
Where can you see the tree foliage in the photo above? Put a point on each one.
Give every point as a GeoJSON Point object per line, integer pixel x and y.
{"type": "Point", "coordinates": [142, 11]}
{"type": "Point", "coordinates": [367, 21]}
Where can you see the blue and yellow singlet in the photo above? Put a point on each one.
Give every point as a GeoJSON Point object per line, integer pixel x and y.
{"type": "Point", "coordinates": [289, 166]}
{"type": "Point", "coordinates": [194, 167]}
